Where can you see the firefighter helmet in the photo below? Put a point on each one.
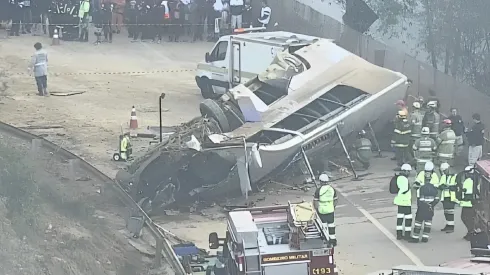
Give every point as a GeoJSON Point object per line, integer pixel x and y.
{"type": "Point", "coordinates": [362, 133]}
{"type": "Point", "coordinates": [425, 131]}
{"type": "Point", "coordinates": [432, 104]}
{"type": "Point", "coordinates": [406, 167]}
{"type": "Point", "coordinates": [323, 178]}
{"type": "Point", "coordinates": [429, 166]}
{"type": "Point", "coordinates": [402, 114]}
{"type": "Point", "coordinates": [469, 168]}
{"type": "Point", "coordinates": [444, 166]}
{"type": "Point", "coordinates": [416, 105]}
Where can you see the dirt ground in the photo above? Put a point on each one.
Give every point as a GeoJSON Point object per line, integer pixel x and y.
{"type": "Point", "coordinates": [88, 124]}
{"type": "Point", "coordinates": [57, 224]}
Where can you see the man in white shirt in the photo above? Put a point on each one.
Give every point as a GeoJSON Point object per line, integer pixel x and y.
{"type": "Point", "coordinates": [265, 14]}
{"type": "Point", "coordinates": [236, 10]}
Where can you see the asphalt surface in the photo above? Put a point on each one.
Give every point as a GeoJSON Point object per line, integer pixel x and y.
{"type": "Point", "coordinates": [367, 243]}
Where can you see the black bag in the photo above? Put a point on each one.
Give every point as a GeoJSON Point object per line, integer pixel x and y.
{"type": "Point", "coordinates": [394, 185]}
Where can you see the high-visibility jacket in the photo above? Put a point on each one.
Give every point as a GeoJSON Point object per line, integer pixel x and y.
{"type": "Point", "coordinates": [432, 120]}
{"type": "Point", "coordinates": [421, 180]}
{"type": "Point", "coordinates": [446, 141]}
{"type": "Point", "coordinates": [326, 200]}
{"type": "Point", "coordinates": [416, 118]}
{"type": "Point", "coordinates": [424, 149]}
{"type": "Point", "coordinates": [401, 137]}
{"type": "Point", "coordinates": [124, 144]}
{"type": "Point", "coordinates": [449, 182]}
{"type": "Point", "coordinates": [467, 193]}
{"type": "Point", "coordinates": [84, 9]}
{"type": "Point", "coordinates": [404, 196]}
{"type": "Point", "coordinates": [363, 147]}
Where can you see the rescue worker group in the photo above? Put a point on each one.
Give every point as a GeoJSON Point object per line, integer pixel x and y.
{"type": "Point", "coordinates": [420, 145]}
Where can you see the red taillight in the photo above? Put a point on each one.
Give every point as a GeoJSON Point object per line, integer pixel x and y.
{"type": "Point", "coordinates": [241, 263]}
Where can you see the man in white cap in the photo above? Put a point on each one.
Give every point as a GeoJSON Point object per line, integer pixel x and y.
{"type": "Point", "coordinates": [324, 202]}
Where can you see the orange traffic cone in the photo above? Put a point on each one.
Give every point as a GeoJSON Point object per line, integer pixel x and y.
{"type": "Point", "coordinates": [56, 39]}
{"type": "Point", "coordinates": [133, 124]}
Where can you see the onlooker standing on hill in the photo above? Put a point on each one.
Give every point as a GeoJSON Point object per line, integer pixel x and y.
{"type": "Point", "coordinates": [458, 128]}
{"type": "Point", "coordinates": [475, 140]}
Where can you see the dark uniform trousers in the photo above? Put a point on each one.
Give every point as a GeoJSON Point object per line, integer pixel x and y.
{"type": "Point", "coordinates": [329, 221]}
{"type": "Point", "coordinates": [468, 217]}
{"type": "Point", "coordinates": [404, 214]}
{"type": "Point", "coordinates": [448, 206]}
{"type": "Point", "coordinates": [423, 218]}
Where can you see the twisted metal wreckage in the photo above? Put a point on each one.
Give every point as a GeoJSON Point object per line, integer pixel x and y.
{"type": "Point", "coordinates": [305, 100]}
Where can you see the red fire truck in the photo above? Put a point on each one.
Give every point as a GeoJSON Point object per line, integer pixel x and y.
{"type": "Point", "coordinates": [276, 240]}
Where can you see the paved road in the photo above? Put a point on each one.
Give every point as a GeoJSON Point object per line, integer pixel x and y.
{"type": "Point", "coordinates": [364, 247]}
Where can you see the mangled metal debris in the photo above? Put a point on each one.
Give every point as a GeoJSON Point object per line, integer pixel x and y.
{"type": "Point", "coordinates": [299, 107]}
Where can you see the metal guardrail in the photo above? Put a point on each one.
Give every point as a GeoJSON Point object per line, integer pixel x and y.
{"type": "Point", "coordinates": [163, 247]}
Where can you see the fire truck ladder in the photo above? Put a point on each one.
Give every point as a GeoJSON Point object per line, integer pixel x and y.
{"type": "Point", "coordinates": [305, 217]}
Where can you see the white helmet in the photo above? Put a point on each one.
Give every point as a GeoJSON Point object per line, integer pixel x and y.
{"type": "Point", "coordinates": [429, 166]}
{"type": "Point", "coordinates": [469, 168]}
{"type": "Point", "coordinates": [406, 167]}
{"type": "Point", "coordinates": [425, 131]}
{"type": "Point", "coordinates": [416, 105]}
{"type": "Point", "coordinates": [432, 104]}
{"type": "Point", "coordinates": [444, 166]}
{"type": "Point", "coordinates": [324, 178]}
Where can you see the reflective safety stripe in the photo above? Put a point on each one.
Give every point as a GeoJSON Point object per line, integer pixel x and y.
{"type": "Point", "coordinates": [331, 225]}
{"type": "Point", "coordinates": [418, 224]}
{"type": "Point", "coordinates": [408, 216]}
{"type": "Point", "coordinates": [405, 132]}
{"type": "Point", "coordinates": [400, 145]}
{"type": "Point", "coordinates": [400, 215]}
{"type": "Point", "coordinates": [428, 224]}
{"type": "Point", "coordinates": [365, 148]}
{"type": "Point", "coordinates": [408, 229]}
{"type": "Point", "coordinates": [425, 149]}
{"type": "Point", "coordinates": [425, 236]}
{"type": "Point", "coordinates": [449, 142]}
{"type": "Point", "coordinates": [450, 222]}
{"type": "Point", "coordinates": [445, 155]}
{"type": "Point", "coordinates": [398, 131]}
{"type": "Point", "coordinates": [423, 160]}
{"type": "Point", "coordinates": [399, 227]}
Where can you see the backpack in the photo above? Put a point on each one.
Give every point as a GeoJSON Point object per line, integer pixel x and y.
{"type": "Point", "coordinates": [394, 185]}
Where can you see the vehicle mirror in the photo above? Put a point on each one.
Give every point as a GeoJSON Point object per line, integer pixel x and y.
{"type": "Point", "coordinates": [213, 240]}
{"type": "Point", "coordinates": [207, 58]}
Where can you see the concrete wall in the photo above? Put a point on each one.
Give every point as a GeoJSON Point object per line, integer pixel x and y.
{"type": "Point", "coordinates": [297, 17]}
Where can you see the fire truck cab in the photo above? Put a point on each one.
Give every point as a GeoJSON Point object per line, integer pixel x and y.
{"type": "Point", "coordinates": [286, 240]}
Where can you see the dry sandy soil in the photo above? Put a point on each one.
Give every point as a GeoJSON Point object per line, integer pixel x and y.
{"type": "Point", "coordinates": [91, 122]}
{"type": "Point", "coordinates": [54, 224]}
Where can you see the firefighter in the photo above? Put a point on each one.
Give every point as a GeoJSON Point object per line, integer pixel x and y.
{"type": "Point", "coordinates": [465, 197]}
{"type": "Point", "coordinates": [324, 201]}
{"type": "Point", "coordinates": [403, 201]}
{"type": "Point", "coordinates": [447, 184]}
{"type": "Point", "coordinates": [445, 144]}
{"type": "Point", "coordinates": [426, 176]}
{"type": "Point", "coordinates": [416, 117]}
{"type": "Point", "coordinates": [362, 151]}
{"type": "Point", "coordinates": [125, 147]}
{"type": "Point", "coordinates": [432, 119]}
{"type": "Point", "coordinates": [428, 198]}
{"type": "Point", "coordinates": [424, 149]}
{"type": "Point", "coordinates": [401, 138]}
{"type": "Point", "coordinates": [402, 107]}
